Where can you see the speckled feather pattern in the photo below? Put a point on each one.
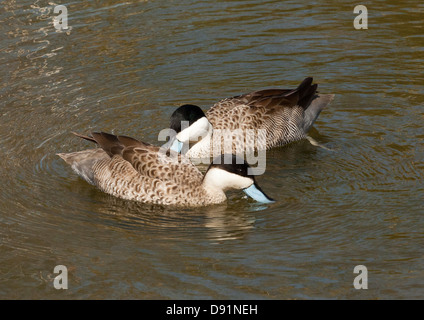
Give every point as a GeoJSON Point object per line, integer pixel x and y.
{"type": "Point", "coordinates": [283, 123]}
{"type": "Point", "coordinates": [144, 174]}
{"type": "Point", "coordinates": [261, 120]}
{"type": "Point", "coordinates": [251, 126]}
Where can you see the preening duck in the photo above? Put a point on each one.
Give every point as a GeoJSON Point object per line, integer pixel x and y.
{"type": "Point", "coordinates": [130, 169]}
{"type": "Point", "coordinates": [253, 121]}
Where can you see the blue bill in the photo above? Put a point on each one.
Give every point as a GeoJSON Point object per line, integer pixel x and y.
{"type": "Point", "coordinates": [177, 146]}
{"type": "Point", "coordinates": [255, 193]}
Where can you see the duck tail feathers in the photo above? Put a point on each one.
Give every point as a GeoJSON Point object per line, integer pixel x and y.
{"type": "Point", "coordinates": [318, 103]}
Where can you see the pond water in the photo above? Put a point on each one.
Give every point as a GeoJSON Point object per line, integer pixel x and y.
{"type": "Point", "coordinates": [123, 67]}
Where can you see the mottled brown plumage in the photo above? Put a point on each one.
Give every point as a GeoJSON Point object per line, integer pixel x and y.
{"type": "Point", "coordinates": [274, 117]}
{"type": "Point", "coordinates": [134, 170]}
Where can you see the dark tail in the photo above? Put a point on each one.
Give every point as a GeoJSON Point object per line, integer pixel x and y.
{"type": "Point", "coordinates": [306, 91]}
{"type": "Point", "coordinates": [111, 143]}
{"type": "Point", "coordinates": [319, 102]}
{"type": "Point", "coordinates": [311, 101]}
{"type": "Point", "coordinates": [84, 137]}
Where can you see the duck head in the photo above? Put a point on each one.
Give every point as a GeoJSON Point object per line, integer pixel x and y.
{"type": "Point", "coordinates": [191, 124]}
{"type": "Point", "coordinates": [231, 172]}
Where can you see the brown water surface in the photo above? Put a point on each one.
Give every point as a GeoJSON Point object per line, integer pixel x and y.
{"type": "Point", "coordinates": [123, 67]}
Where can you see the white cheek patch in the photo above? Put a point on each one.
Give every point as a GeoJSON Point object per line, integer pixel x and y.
{"type": "Point", "coordinates": [224, 180]}
{"type": "Point", "coordinates": [200, 129]}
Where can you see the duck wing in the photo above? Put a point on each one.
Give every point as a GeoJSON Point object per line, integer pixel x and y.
{"type": "Point", "coordinates": [283, 113]}
{"type": "Point", "coordinates": [135, 170]}
{"type": "Point", "coordinates": [270, 99]}
{"type": "Point", "coordinates": [148, 160]}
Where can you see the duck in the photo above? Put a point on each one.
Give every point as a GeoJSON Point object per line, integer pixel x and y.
{"type": "Point", "coordinates": [258, 120]}
{"type": "Point", "coordinates": [134, 170]}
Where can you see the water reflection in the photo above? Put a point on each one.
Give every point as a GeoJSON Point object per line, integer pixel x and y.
{"type": "Point", "coordinates": [124, 67]}
{"type": "Point", "coordinates": [217, 222]}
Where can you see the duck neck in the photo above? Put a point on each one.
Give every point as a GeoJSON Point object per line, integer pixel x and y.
{"type": "Point", "coordinates": [202, 148]}
{"type": "Point", "coordinates": [212, 189]}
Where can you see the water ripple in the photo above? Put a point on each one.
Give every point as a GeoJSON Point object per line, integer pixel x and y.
{"type": "Point", "coordinates": [125, 67]}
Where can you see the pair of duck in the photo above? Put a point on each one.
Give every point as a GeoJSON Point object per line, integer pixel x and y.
{"type": "Point", "coordinates": [135, 170]}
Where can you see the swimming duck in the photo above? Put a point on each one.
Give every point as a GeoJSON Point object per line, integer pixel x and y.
{"type": "Point", "coordinates": [134, 170]}
{"type": "Point", "coordinates": [254, 121]}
